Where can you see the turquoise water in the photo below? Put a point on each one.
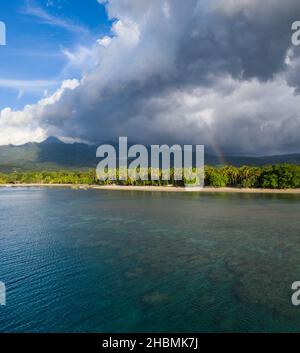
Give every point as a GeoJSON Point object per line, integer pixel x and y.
{"type": "Point", "coordinates": [101, 261]}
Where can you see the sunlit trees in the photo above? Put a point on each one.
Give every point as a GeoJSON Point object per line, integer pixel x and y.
{"type": "Point", "coordinates": [281, 176]}
{"type": "Point", "coordinates": [278, 176]}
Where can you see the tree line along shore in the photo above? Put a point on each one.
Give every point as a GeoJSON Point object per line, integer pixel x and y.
{"type": "Point", "coordinates": [283, 176]}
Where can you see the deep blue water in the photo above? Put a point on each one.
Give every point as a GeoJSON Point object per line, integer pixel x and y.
{"type": "Point", "coordinates": [102, 261]}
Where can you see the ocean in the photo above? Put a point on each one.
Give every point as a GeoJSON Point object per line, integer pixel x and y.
{"type": "Point", "coordinates": [125, 261]}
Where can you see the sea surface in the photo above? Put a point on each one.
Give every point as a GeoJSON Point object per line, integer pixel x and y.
{"type": "Point", "coordinates": [122, 261]}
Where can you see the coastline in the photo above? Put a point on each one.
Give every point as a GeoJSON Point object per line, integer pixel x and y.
{"type": "Point", "coordinates": [156, 188]}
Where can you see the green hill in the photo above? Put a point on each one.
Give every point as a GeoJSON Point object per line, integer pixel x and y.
{"type": "Point", "coordinates": [52, 154]}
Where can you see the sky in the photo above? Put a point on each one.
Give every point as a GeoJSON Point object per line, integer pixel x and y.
{"type": "Point", "coordinates": [39, 36]}
{"type": "Point", "coordinates": [223, 73]}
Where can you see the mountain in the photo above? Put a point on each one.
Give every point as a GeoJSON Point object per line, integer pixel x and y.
{"type": "Point", "coordinates": [53, 154]}
{"type": "Point", "coordinates": [50, 155]}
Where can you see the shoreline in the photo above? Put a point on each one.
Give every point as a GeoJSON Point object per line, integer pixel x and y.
{"type": "Point", "coordinates": [157, 188]}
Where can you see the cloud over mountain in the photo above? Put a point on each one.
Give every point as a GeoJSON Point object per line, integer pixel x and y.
{"type": "Point", "coordinates": [222, 73]}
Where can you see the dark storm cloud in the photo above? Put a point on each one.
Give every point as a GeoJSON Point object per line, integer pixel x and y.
{"type": "Point", "coordinates": [215, 72]}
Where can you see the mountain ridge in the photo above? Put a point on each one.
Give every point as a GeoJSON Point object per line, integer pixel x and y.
{"type": "Point", "coordinates": [53, 154]}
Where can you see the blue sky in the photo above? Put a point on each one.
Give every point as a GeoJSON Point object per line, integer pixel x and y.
{"type": "Point", "coordinates": [38, 33]}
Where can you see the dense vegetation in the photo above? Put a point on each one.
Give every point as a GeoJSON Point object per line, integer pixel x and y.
{"type": "Point", "coordinates": [274, 177]}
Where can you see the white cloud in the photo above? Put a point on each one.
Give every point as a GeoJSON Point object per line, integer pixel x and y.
{"type": "Point", "coordinates": [216, 73]}
{"type": "Point", "coordinates": [20, 126]}
{"type": "Point", "coordinates": [32, 9]}
{"type": "Point", "coordinates": [21, 135]}
{"type": "Point", "coordinates": [28, 85]}
{"type": "Point", "coordinates": [104, 41]}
